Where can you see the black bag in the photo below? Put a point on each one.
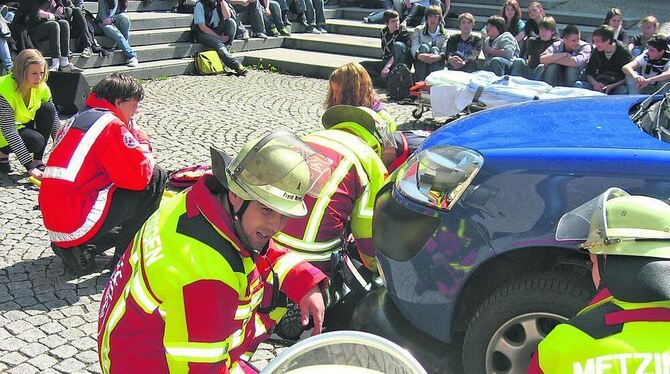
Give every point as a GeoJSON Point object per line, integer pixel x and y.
{"type": "Point", "coordinates": [185, 6]}
{"type": "Point", "coordinates": [399, 82]}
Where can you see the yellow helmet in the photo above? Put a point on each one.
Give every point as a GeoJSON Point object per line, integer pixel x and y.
{"type": "Point", "coordinates": [616, 223]}
{"type": "Point", "coordinates": [363, 122]}
{"type": "Point", "coordinates": [277, 170]}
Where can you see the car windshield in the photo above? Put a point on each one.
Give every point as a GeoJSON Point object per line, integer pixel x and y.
{"type": "Point", "coordinates": [653, 114]}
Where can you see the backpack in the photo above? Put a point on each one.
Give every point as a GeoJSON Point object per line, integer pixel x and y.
{"type": "Point", "coordinates": [208, 63]}
{"type": "Point", "coordinates": [399, 82]}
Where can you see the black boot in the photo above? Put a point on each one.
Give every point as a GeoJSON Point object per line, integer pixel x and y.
{"type": "Point", "coordinates": [78, 260]}
{"type": "Point", "coordinates": [285, 19]}
{"type": "Point", "coordinates": [302, 19]}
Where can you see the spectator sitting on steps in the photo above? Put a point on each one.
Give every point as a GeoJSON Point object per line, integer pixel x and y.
{"type": "Point", "coordinates": [604, 70]}
{"type": "Point", "coordinates": [427, 42]}
{"type": "Point", "coordinates": [395, 48]}
{"type": "Point", "coordinates": [648, 71]}
{"type": "Point", "coordinates": [462, 50]}
{"type": "Point", "coordinates": [115, 24]}
{"type": "Point", "coordinates": [216, 29]}
{"type": "Point", "coordinates": [648, 28]}
{"type": "Point", "coordinates": [565, 60]}
{"type": "Point", "coordinates": [529, 66]}
{"type": "Point", "coordinates": [42, 24]}
{"type": "Point", "coordinates": [500, 47]}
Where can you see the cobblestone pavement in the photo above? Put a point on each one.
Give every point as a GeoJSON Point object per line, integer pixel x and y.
{"type": "Point", "coordinates": [48, 318]}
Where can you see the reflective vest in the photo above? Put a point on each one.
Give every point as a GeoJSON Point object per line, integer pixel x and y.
{"type": "Point", "coordinates": [186, 296]}
{"type": "Point", "coordinates": [357, 174]}
{"type": "Point", "coordinates": [609, 336]}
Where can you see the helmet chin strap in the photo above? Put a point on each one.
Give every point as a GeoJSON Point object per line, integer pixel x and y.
{"type": "Point", "coordinates": [237, 226]}
{"type": "Point", "coordinates": [601, 271]}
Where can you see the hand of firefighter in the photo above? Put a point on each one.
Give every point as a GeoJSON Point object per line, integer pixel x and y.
{"type": "Point", "coordinates": [312, 304]}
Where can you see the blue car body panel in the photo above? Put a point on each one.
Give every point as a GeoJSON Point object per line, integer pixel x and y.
{"type": "Point", "coordinates": [541, 159]}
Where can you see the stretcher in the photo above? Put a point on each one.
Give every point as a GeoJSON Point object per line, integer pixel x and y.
{"type": "Point", "coordinates": [446, 93]}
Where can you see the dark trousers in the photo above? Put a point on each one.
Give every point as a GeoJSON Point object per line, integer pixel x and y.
{"type": "Point", "coordinates": [80, 28]}
{"type": "Point", "coordinates": [35, 134]}
{"type": "Point", "coordinates": [127, 213]}
{"type": "Point", "coordinates": [401, 55]}
{"type": "Point", "coordinates": [255, 16]}
{"type": "Point", "coordinates": [58, 33]}
{"type": "Point", "coordinates": [228, 28]}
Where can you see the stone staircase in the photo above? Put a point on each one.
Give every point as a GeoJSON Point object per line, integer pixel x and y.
{"type": "Point", "coordinates": [163, 43]}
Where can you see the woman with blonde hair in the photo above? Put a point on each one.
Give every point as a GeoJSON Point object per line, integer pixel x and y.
{"type": "Point", "coordinates": [351, 84]}
{"type": "Point", "coordinates": [27, 113]}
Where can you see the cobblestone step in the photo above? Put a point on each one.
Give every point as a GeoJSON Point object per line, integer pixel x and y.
{"type": "Point", "coordinates": [305, 63]}
{"type": "Point", "coordinates": [336, 44]}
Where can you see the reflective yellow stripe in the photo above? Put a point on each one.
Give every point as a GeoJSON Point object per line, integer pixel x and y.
{"type": "Point", "coordinates": [142, 295]}
{"type": "Point", "coordinates": [244, 311]}
{"type": "Point", "coordinates": [285, 264]}
{"type": "Point", "coordinates": [302, 245]}
{"type": "Point", "coordinates": [198, 352]}
{"type": "Point", "coordinates": [260, 326]}
{"type": "Point", "coordinates": [237, 338]}
{"type": "Point", "coordinates": [365, 210]}
{"type": "Point", "coordinates": [235, 369]}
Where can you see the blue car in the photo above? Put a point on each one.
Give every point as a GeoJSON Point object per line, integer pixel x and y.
{"type": "Point", "coordinates": [465, 234]}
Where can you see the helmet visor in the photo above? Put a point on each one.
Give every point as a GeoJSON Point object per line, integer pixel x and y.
{"type": "Point", "coordinates": [282, 166]}
{"type": "Point", "coordinates": [577, 223]}
{"type": "Point", "coordinates": [383, 133]}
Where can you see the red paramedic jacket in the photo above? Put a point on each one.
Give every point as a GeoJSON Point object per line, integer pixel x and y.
{"type": "Point", "coordinates": [94, 154]}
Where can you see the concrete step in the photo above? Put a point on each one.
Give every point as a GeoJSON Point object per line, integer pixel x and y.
{"type": "Point", "coordinates": [158, 20]}
{"type": "Point", "coordinates": [137, 6]}
{"type": "Point", "coordinates": [353, 27]}
{"type": "Point", "coordinates": [336, 44]}
{"type": "Point", "coordinates": [306, 63]}
{"type": "Point", "coordinates": [146, 70]}
{"type": "Point", "coordinates": [157, 52]}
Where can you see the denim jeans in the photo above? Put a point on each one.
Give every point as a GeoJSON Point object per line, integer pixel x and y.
{"type": "Point", "coordinates": [228, 28]}
{"type": "Point", "coordinates": [559, 75]}
{"type": "Point", "coordinates": [255, 12]}
{"type": "Point", "coordinates": [520, 68]}
{"type": "Point", "coordinates": [498, 65]}
{"type": "Point", "coordinates": [58, 33]}
{"type": "Point", "coordinates": [633, 90]}
{"type": "Point", "coordinates": [275, 17]}
{"type": "Point", "coordinates": [5, 55]}
{"type": "Point", "coordinates": [401, 55]}
{"type": "Point", "coordinates": [118, 30]}
{"type": "Point", "coordinates": [620, 90]}
{"type": "Point", "coordinates": [314, 12]}
{"type": "Point", "coordinates": [422, 69]}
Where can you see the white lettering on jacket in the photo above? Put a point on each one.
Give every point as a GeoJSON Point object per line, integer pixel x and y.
{"type": "Point", "coordinates": [625, 363]}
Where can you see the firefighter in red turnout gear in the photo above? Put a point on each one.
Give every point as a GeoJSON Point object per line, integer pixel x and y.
{"type": "Point", "coordinates": [200, 287]}
{"type": "Point", "coordinates": [100, 183]}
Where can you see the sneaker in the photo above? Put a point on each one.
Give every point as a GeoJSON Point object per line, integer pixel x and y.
{"type": "Point", "coordinates": [273, 32]}
{"type": "Point", "coordinates": [259, 35]}
{"type": "Point", "coordinates": [313, 30]}
{"type": "Point", "coordinates": [241, 70]}
{"type": "Point", "coordinates": [243, 35]}
{"type": "Point", "coordinates": [54, 68]}
{"type": "Point", "coordinates": [284, 32]}
{"type": "Point", "coordinates": [70, 68]}
{"type": "Point", "coordinates": [77, 260]}
{"type": "Point", "coordinates": [285, 19]}
{"type": "Point", "coordinates": [366, 20]}
{"type": "Point", "coordinates": [87, 52]}
{"type": "Point", "coordinates": [322, 29]}
{"type": "Point", "coordinates": [132, 62]}
{"type": "Point", "coordinates": [302, 20]}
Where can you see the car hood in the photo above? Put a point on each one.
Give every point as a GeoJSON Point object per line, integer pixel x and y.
{"type": "Point", "coordinates": [591, 122]}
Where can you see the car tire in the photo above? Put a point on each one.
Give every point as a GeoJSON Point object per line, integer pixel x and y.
{"type": "Point", "coordinates": [506, 328]}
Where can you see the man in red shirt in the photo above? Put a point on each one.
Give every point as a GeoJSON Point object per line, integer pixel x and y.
{"type": "Point", "coordinates": [100, 183]}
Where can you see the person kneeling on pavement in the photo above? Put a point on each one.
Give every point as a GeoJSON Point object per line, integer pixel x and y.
{"type": "Point", "coordinates": [203, 279]}
{"type": "Point", "coordinates": [626, 326]}
{"type": "Point", "coordinates": [100, 183]}
{"type": "Point", "coordinates": [215, 27]}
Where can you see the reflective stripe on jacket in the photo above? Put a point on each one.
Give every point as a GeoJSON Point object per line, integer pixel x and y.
{"type": "Point", "coordinates": [609, 336]}
{"type": "Point", "coordinates": [357, 174]}
{"type": "Point", "coordinates": [186, 295]}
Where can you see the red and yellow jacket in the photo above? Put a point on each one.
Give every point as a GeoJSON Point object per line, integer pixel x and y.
{"type": "Point", "coordinates": [185, 297]}
{"type": "Point", "coordinates": [96, 153]}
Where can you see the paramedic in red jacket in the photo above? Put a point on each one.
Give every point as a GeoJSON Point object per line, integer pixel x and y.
{"type": "Point", "coordinates": [100, 183]}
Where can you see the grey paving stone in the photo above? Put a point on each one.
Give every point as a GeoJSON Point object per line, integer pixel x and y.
{"type": "Point", "coordinates": [84, 343]}
{"type": "Point", "coordinates": [94, 368]}
{"type": "Point", "coordinates": [13, 358]}
{"type": "Point", "coordinates": [53, 341]}
{"type": "Point", "coordinates": [38, 320]}
{"type": "Point", "coordinates": [73, 321]}
{"type": "Point", "coordinates": [64, 351]}
{"type": "Point", "coordinates": [52, 327]}
{"type": "Point", "coordinates": [88, 357]}
{"type": "Point", "coordinates": [31, 335]}
{"type": "Point", "coordinates": [70, 365]}
{"type": "Point", "coordinates": [43, 361]}
{"type": "Point", "coordinates": [24, 368]}
{"type": "Point", "coordinates": [33, 349]}
{"type": "Point", "coordinates": [11, 344]}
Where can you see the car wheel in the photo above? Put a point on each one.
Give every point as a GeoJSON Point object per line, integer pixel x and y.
{"type": "Point", "coordinates": [506, 328]}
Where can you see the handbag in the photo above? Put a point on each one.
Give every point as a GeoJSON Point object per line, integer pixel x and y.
{"type": "Point", "coordinates": [208, 63]}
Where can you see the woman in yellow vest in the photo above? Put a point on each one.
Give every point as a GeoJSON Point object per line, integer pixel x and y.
{"type": "Point", "coordinates": [27, 113]}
